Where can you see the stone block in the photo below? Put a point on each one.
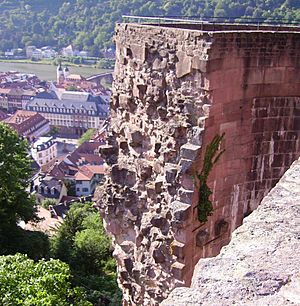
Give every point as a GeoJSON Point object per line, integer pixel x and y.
{"type": "Point", "coordinates": [184, 64]}
{"type": "Point", "coordinates": [158, 256]}
{"type": "Point", "coordinates": [187, 182]}
{"type": "Point", "coordinates": [180, 210]}
{"type": "Point", "coordinates": [199, 64]}
{"type": "Point", "coordinates": [138, 52]}
{"type": "Point", "coordinates": [177, 249]}
{"type": "Point", "coordinates": [184, 165]}
{"type": "Point", "coordinates": [158, 221]}
{"type": "Point", "coordinates": [136, 139]}
{"type": "Point", "coordinates": [128, 264]}
{"type": "Point", "coordinates": [178, 270]}
{"type": "Point", "coordinates": [146, 172]}
{"type": "Point", "coordinates": [186, 196]}
{"type": "Point", "coordinates": [189, 151]}
{"type": "Point", "coordinates": [170, 173]}
{"type": "Point", "coordinates": [123, 176]}
{"type": "Point", "coordinates": [159, 64]}
{"type": "Point", "coordinates": [159, 185]}
{"type": "Point", "coordinates": [150, 187]}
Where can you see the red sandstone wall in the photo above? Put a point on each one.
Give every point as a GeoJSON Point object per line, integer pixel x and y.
{"type": "Point", "coordinates": [255, 88]}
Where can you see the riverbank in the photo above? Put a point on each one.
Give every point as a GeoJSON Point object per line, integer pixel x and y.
{"type": "Point", "coordinates": [47, 71]}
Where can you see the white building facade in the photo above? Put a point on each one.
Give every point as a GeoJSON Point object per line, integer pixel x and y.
{"type": "Point", "coordinates": [44, 150]}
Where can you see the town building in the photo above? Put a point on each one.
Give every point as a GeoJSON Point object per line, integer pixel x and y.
{"type": "Point", "coordinates": [4, 98]}
{"type": "Point", "coordinates": [76, 111]}
{"type": "Point", "coordinates": [84, 168]}
{"type": "Point", "coordinates": [44, 52]}
{"type": "Point", "coordinates": [3, 115]}
{"type": "Point", "coordinates": [12, 98]}
{"type": "Point", "coordinates": [48, 188]}
{"type": "Point", "coordinates": [87, 178]}
{"type": "Point", "coordinates": [70, 51]}
{"type": "Point", "coordinates": [44, 150]}
{"type": "Point", "coordinates": [30, 125]}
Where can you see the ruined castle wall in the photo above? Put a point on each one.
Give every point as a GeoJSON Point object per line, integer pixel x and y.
{"type": "Point", "coordinates": [254, 88]}
{"type": "Point", "coordinates": [174, 90]}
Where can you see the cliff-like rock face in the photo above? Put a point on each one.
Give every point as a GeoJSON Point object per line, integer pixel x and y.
{"type": "Point", "coordinates": [260, 266]}
{"type": "Point", "coordinates": [176, 87]}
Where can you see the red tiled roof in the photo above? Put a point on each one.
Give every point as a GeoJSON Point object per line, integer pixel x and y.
{"type": "Point", "coordinates": [86, 173]}
{"type": "Point", "coordinates": [89, 147]}
{"type": "Point", "coordinates": [85, 154]}
{"type": "Point", "coordinates": [22, 121]}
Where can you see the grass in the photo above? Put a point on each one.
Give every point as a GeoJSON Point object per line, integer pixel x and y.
{"type": "Point", "coordinates": [46, 71]}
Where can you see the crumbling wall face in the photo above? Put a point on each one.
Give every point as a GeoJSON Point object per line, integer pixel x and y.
{"type": "Point", "coordinates": [159, 105]}
{"type": "Point", "coordinates": [174, 90]}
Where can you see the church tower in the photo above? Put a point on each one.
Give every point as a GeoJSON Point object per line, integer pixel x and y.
{"type": "Point", "coordinates": [66, 72]}
{"type": "Point", "coordinates": [59, 74]}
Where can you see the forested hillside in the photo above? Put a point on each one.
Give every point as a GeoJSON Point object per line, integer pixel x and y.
{"type": "Point", "coordinates": [89, 24]}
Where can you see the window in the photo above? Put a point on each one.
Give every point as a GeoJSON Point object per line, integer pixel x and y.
{"type": "Point", "coordinates": [40, 155]}
{"type": "Point", "coordinates": [77, 189]}
{"type": "Point", "coordinates": [85, 189]}
{"type": "Point", "coordinates": [79, 182]}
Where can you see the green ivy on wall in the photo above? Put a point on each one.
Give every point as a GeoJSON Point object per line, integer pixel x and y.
{"type": "Point", "coordinates": [205, 207]}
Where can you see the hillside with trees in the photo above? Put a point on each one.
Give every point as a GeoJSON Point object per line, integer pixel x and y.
{"type": "Point", "coordinates": [89, 24]}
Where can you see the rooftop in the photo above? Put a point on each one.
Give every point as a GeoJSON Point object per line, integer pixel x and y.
{"type": "Point", "coordinates": [22, 121]}
{"type": "Point", "coordinates": [43, 142]}
{"type": "Point", "coordinates": [67, 104]}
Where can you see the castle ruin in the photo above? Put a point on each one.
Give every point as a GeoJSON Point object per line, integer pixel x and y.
{"type": "Point", "coordinates": [177, 86]}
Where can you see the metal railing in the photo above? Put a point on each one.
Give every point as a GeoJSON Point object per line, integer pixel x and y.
{"type": "Point", "coordinates": [210, 20]}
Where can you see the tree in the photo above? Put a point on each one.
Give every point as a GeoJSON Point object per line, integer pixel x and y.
{"type": "Point", "coordinates": [47, 202]}
{"type": "Point", "coordinates": [28, 283]}
{"type": "Point", "coordinates": [81, 242]}
{"type": "Point", "coordinates": [86, 136]}
{"type": "Point", "coordinates": [15, 203]}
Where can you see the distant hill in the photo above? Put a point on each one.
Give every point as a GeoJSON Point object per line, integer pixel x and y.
{"type": "Point", "coordinates": [89, 24]}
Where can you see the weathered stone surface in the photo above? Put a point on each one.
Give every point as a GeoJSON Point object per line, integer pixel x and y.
{"type": "Point", "coordinates": [260, 266]}
{"type": "Point", "coordinates": [175, 88]}
{"type": "Point", "coordinates": [184, 64]}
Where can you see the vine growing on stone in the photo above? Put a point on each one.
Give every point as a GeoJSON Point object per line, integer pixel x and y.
{"type": "Point", "coordinates": [205, 207]}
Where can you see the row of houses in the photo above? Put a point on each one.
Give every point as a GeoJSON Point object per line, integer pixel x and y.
{"type": "Point", "coordinates": [77, 174]}
{"type": "Point", "coordinates": [12, 99]}
{"type": "Point", "coordinates": [48, 52]}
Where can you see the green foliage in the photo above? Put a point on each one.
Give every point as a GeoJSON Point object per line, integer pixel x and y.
{"type": "Point", "coordinates": [105, 63]}
{"type": "Point", "coordinates": [33, 243]}
{"type": "Point", "coordinates": [47, 202]}
{"type": "Point", "coordinates": [89, 24]}
{"type": "Point", "coordinates": [81, 242]}
{"type": "Point", "coordinates": [86, 136]}
{"type": "Point", "coordinates": [72, 88]}
{"type": "Point", "coordinates": [205, 207]}
{"type": "Point", "coordinates": [71, 188]}
{"type": "Point", "coordinates": [15, 203]}
{"type": "Point", "coordinates": [28, 283]}
{"type": "Point", "coordinates": [53, 131]}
